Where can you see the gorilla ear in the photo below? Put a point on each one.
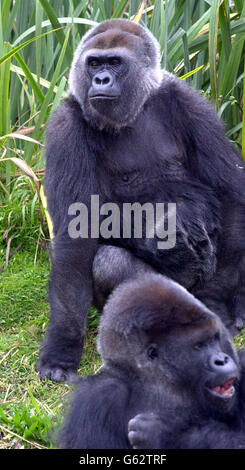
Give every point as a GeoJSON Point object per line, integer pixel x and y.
{"type": "Point", "coordinates": [147, 356]}
{"type": "Point", "coordinates": [152, 352]}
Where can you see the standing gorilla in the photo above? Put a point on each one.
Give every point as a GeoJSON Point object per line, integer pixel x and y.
{"type": "Point", "coordinates": [129, 132]}
{"type": "Point", "coordinates": [170, 379]}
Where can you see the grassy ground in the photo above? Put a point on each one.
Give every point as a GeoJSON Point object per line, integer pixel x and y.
{"type": "Point", "coordinates": [29, 408]}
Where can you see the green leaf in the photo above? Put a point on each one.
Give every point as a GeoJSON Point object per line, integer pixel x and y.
{"type": "Point", "coordinates": [36, 88]}
{"type": "Point", "coordinates": [43, 82]}
{"type": "Point", "coordinates": [233, 65]}
{"type": "Point", "coordinates": [1, 32]}
{"type": "Point", "coordinates": [57, 26]}
{"type": "Point", "coordinates": [192, 72]}
{"type": "Point", "coordinates": [213, 32]}
{"type": "Point", "coordinates": [38, 49]}
{"type": "Point", "coordinates": [224, 22]}
{"type": "Point", "coordinates": [120, 8]}
{"type": "Point", "coordinates": [192, 33]}
{"type": "Point", "coordinates": [46, 23]}
{"type": "Point", "coordinates": [48, 98]}
{"type": "Point", "coordinates": [243, 118]}
{"type": "Point", "coordinates": [4, 96]}
{"type": "Point", "coordinates": [186, 54]}
{"type": "Point", "coordinates": [4, 417]}
{"type": "Point", "coordinates": [13, 51]}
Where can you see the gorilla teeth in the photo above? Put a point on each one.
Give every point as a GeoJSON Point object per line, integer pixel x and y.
{"type": "Point", "coordinates": [225, 389]}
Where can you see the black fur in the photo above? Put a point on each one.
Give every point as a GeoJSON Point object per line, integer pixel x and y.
{"type": "Point", "coordinates": [174, 150]}
{"type": "Point", "coordinates": [163, 352]}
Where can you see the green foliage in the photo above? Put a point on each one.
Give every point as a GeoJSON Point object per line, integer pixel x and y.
{"type": "Point", "coordinates": [30, 422]}
{"type": "Point", "coordinates": [30, 409]}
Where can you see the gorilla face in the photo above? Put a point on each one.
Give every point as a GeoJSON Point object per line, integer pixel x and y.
{"type": "Point", "coordinates": [198, 362]}
{"type": "Point", "coordinates": [174, 341]}
{"type": "Point", "coordinates": [109, 77]}
{"type": "Point", "coordinates": [114, 71]}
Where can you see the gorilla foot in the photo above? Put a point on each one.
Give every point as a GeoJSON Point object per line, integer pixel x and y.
{"type": "Point", "coordinates": [59, 356]}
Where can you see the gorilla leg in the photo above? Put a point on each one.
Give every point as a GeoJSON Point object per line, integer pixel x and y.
{"type": "Point", "coordinates": [113, 265]}
{"type": "Point", "coordinates": [70, 295]}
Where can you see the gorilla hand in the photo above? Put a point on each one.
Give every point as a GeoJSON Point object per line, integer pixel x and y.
{"type": "Point", "coordinates": [145, 431]}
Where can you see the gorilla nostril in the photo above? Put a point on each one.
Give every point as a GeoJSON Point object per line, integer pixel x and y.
{"type": "Point", "coordinates": [219, 362]}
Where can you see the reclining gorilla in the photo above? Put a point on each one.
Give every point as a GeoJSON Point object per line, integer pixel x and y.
{"type": "Point", "coordinates": [129, 132]}
{"type": "Point", "coordinates": [171, 377]}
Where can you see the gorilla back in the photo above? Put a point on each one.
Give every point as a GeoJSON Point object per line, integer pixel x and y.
{"type": "Point", "coordinates": [171, 377]}
{"type": "Point", "coordinates": [130, 133]}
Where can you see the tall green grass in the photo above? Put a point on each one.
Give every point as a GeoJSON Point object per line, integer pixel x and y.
{"type": "Point", "coordinates": [38, 37]}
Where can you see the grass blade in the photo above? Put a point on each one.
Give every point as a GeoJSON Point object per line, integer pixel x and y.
{"type": "Point", "coordinates": [13, 51]}
{"type": "Point", "coordinates": [1, 32]}
{"type": "Point", "coordinates": [48, 97]}
{"type": "Point", "coordinates": [35, 87]}
{"type": "Point", "coordinates": [38, 49]}
{"type": "Point", "coordinates": [57, 27]}
{"type": "Point", "coordinates": [4, 96]}
{"type": "Point", "coordinates": [192, 72]}
{"type": "Point", "coordinates": [46, 23]}
{"type": "Point", "coordinates": [213, 32]}
{"type": "Point", "coordinates": [120, 9]}
{"type": "Point", "coordinates": [233, 63]}
{"type": "Point", "coordinates": [243, 118]}
{"type": "Point", "coordinates": [139, 13]}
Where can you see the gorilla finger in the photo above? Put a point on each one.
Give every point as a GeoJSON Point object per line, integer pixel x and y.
{"type": "Point", "coordinates": [136, 440]}
{"type": "Point", "coordinates": [141, 420]}
{"type": "Point", "coordinates": [136, 423]}
{"type": "Point", "coordinates": [57, 375]}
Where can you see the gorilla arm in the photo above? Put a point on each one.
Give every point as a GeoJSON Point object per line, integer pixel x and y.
{"type": "Point", "coordinates": [211, 159]}
{"type": "Point", "coordinates": [210, 156]}
{"type": "Point", "coordinates": [97, 419]}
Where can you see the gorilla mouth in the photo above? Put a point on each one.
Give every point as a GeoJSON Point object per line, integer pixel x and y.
{"type": "Point", "coordinates": [225, 390]}
{"type": "Point", "coordinates": [103, 97]}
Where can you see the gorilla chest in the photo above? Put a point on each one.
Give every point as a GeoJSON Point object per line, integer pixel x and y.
{"type": "Point", "coordinates": [143, 167]}
{"type": "Point", "coordinates": [137, 163]}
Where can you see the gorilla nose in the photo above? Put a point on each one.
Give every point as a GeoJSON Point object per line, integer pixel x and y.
{"type": "Point", "coordinates": [102, 81]}
{"type": "Point", "coordinates": [221, 361]}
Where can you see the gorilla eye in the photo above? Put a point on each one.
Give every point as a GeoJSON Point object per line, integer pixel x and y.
{"type": "Point", "coordinates": [94, 63]}
{"type": "Point", "coordinates": [198, 346]}
{"type": "Point", "coordinates": [115, 61]}
{"type": "Point", "coordinates": [214, 338]}
{"type": "Point", "coordinates": [152, 352]}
